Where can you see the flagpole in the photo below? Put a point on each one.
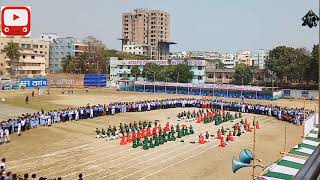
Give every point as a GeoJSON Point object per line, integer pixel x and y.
{"type": "Point", "coordinates": [254, 147]}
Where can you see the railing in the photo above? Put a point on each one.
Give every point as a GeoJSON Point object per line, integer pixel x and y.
{"type": "Point", "coordinates": [311, 169]}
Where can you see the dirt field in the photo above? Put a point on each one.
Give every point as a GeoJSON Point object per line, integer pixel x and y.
{"type": "Point", "coordinates": [70, 148]}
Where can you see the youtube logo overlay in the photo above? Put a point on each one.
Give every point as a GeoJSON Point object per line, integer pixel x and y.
{"type": "Point", "coordinates": [15, 20]}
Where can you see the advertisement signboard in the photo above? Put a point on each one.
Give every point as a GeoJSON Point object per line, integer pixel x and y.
{"type": "Point", "coordinates": [34, 83]}
{"type": "Point", "coordinates": [65, 80]}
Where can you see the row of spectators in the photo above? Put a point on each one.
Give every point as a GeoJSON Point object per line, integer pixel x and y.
{"type": "Point", "coordinates": [42, 118]}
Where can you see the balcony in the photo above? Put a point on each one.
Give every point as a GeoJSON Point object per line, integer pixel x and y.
{"type": "Point", "coordinates": [31, 68]}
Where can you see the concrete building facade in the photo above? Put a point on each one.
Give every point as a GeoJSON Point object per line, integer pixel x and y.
{"type": "Point", "coordinates": [260, 58]}
{"type": "Point", "coordinates": [34, 59]}
{"type": "Point", "coordinates": [120, 69]}
{"type": "Point", "coordinates": [229, 60]}
{"type": "Point", "coordinates": [244, 57]}
{"type": "Point", "coordinates": [60, 47]}
{"type": "Point", "coordinates": [134, 48]}
{"type": "Point", "coordinates": [149, 27]}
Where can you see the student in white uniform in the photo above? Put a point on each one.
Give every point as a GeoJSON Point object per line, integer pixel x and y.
{"type": "Point", "coordinates": [76, 115]}
{"type": "Point", "coordinates": [19, 129]}
{"type": "Point", "coordinates": [6, 136]}
{"type": "Point", "coordinates": [91, 112]}
{"type": "Point", "coordinates": [49, 121]}
{"type": "Point", "coordinates": [1, 135]}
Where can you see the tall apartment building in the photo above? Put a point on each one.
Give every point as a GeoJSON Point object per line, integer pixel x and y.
{"type": "Point", "coordinates": [260, 58]}
{"type": "Point", "coordinates": [147, 27]}
{"type": "Point", "coordinates": [60, 47]}
{"type": "Point", "coordinates": [34, 59]}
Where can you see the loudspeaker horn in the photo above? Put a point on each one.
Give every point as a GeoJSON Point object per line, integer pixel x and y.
{"type": "Point", "coordinates": [236, 165]}
{"type": "Point", "coordinates": [246, 156]}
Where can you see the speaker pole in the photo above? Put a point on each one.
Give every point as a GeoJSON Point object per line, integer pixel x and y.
{"type": "Point", "coordinates": [285, 137]}
{"type": "Point", "coordinates": [254, 147]}
{"type": "Point", "coordinates": [304, 117]}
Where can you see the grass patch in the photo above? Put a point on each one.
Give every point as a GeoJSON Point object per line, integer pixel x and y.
{"type": "Point", "coordinates": [37, 102]}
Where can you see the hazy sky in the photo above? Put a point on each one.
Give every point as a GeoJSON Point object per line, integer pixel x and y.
{"type": "Point", "coordinates": [226, 25]}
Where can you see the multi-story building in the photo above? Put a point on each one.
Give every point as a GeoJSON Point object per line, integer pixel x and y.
{"type": "Point", "coordinates": [211, 55]}
{"type": "Point", "coordinates": [60, 48]}
{"type": "Point", "coordinates": [179, 55]}
{"type": "Point", "coordinates": [148, 27]}
{"type": "Point", "coordinates": [48, 36]}
{"type": "Point", "coordinates": [134, 48]}
{"type": "Point", "coordinates": [260, 58]}
{"type": "Point", "coordinates": [244, 57]}
{"type": "Point", "coordinates": [33, 61]}
{"type": "Point", "coordinates": [229, 60]}
{"type": "Point", "coordinates": [120, 69]}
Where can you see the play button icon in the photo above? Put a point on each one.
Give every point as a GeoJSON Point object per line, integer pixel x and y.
{"type": "Point", "coordinates": [15, 20]}
{"type": "Point", "coordinates": [15, 17]}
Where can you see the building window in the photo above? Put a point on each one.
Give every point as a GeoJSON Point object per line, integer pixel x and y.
{"type": "Point", "coordinates": [35, 46]}
{"type": "Point", "coordinates": [41, 46]}
{"type": "Point", "coordinates": [199, 77]}
{"type": "Point", "coordinates": [23, 56]}
{"type": "Point", "coordinates": [32, 57]}
{"type": "Point", "coordinates": [199, 67]}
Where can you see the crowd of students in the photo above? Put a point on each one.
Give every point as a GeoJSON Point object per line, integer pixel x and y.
{"type": "Point", "coordinates": [30, 121]}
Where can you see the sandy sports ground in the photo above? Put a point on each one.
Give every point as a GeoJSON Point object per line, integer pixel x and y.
{"type": "Point", "coordinates": [70, 148]}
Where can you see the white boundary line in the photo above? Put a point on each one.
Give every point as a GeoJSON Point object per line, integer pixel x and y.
{"type": "Point", "coordinates": [151, 152]}
{"type": "Point", "coordinates": [183, 160]}
{"type": "Point", "coordinates": [174, 157]}
{"type": "Point", "coordinates": [64, 159]}
{"type": "Point", "coordinates": [156, 157]}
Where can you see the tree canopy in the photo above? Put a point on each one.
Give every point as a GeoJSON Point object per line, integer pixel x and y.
{"type": "Point", "coordinates": [171, 73]}
{"type": "Point", "coordinates": [294, 64]}
{"type": "Point", "coordinates": [95, 59]}
{"type": "Point", "coordinates": [12, 51]}
{"type": "Point", "coordinates": [243, 74]}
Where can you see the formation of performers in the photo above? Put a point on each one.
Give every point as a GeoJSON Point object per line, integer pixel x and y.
{"type": "Point", "coordinates": [152, 137]}
{"type": "Point", "coordinates": [113, 133]}
{"type": "Point", "coordinates": [29, 121]}
{"type": "Point", "coordinates": [208, 115]}
{"type": "Point", "coordinates": [227, 135]}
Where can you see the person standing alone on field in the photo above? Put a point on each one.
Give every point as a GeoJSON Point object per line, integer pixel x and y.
{"type": "Point", "coordinates": [80, 177]}
{"type": "Point", "coordinates": [27, 100]}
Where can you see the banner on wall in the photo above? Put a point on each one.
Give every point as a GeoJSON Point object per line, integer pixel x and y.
{"type": "Point", "coordinates": [65, 80]}
{"type": "Point", "coordinates": [309, 124]}
{"type": "Point", "coordinates": [34, 83]}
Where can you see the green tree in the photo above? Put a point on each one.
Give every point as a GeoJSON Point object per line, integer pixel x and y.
{"type": "Point", "coordinates": [135, 71]}
{"type": "Point", "coordinates": [12, 51]}
{"type": "Point", "coordinates": [150, 71]}
{"type": "Point", "coordinates": [96, 62]}
{"type": "Point", "coordinates": [243, 74]}
{"type": "Point", "coordinates": [221, 65]}
{"type": "Point", "coordinates": [301, 64]}
{"type": "Point", "coordinates": [166, 74]}
{"type": "Point", "coordinates": [312, 70]}
{"type": "Point", "coordinates": [181, 73]}
{"type": "Point", "coordinates": [281, 61]}
{"type": "Point", "coordinates": [69, 64]}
